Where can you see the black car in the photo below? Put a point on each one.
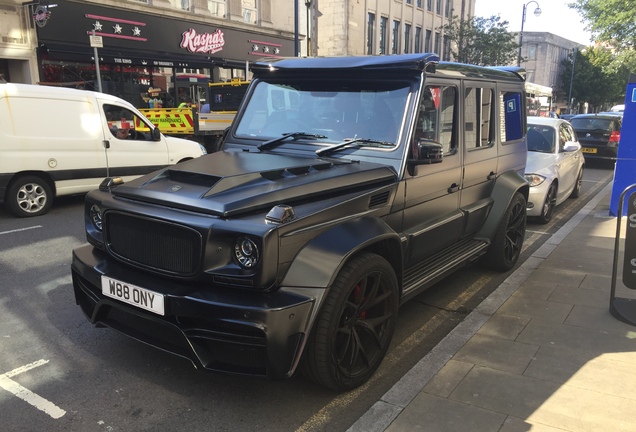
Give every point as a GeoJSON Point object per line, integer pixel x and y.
{"type": "Point", "coordinates": [345, 186]}
{"type": "Point", "coordinates": [598, 134]}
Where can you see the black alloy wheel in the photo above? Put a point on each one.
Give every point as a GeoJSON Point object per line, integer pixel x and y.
{"type": "Point", "coordinates": [549, 204]}
{"type": "Point", "coordinates": [356, 324]}
{"type": "Point", "coordinates": [505, 248]}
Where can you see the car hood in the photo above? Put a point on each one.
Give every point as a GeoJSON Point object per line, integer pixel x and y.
{"type": "Point", "coordinates": [228, 183]}
{"type": "Point", "coordinates": [536, 162]}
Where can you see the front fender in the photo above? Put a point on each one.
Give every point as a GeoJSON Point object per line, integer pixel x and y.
{"type": "Point", "coordinates": [505, 188]}
{"type": "Point", "coordinates": [318, 262]}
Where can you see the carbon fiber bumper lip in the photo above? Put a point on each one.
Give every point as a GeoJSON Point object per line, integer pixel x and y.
{"type": "Point", "coordinates": [216, 329]}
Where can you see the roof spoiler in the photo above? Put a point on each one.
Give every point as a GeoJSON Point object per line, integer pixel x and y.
{"type": "Point", "coordinates": [519, 71]}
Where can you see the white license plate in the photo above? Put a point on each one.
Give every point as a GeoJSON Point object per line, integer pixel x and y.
{"type": "Point", "coordinates": [134, 295]}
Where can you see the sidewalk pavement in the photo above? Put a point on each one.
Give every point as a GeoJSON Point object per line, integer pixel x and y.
{"type": "Point", "coordinates": [541, 353]}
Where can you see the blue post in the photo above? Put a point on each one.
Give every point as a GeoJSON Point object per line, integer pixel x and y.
{"type": "Point", "coordinates": [625, 171]}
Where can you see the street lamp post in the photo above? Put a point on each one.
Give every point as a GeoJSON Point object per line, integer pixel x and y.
{"type": "Point", "coordinates": [308, 4]}
{"type": "Point", "coordinates": [537, 12]}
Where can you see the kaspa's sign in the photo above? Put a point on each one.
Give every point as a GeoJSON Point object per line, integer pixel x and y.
{"type": "Point", "coordinates": [41, 14]}
{"type": "Point", "coordinates": [205, 43]}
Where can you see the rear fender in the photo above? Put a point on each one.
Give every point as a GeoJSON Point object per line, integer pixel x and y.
{"type": "Point", "coordinates": [505, 188]}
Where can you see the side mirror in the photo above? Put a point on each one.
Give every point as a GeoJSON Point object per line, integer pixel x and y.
{"type": "Point", "coordinates": [156, 134]}
{"type": "Point", "coordinates": [429, 152]}
{"type": "Point", "coordinates": [571, 146]}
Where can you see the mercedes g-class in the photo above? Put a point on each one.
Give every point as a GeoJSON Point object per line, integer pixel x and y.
{"type": "Point", "coordinates": [345, 186]}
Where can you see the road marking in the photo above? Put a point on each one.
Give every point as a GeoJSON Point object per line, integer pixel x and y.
{"type": "Point", "coordinates": [27, 395]}
{"type": "Point", "coordinates": [21, 229]}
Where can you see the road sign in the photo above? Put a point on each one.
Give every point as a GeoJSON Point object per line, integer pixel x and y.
{"type": "Point", "coordinates": [96, 42]}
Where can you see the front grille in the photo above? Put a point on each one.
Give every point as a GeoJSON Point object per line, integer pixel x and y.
{"type": "Point", "coordinates": [153, 244]}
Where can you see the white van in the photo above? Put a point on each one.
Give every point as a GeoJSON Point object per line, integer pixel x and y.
{"type": "Point", "coordinates": [60, 141]}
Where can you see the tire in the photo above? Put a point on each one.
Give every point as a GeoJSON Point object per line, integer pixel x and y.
{"type": "Point", "coordinates": [576, 192]}
{"type": "Point", "coordinates": [29, 196]}
{"type": "Point", "coordinates": [505, 248]}
{"type": "Point", "coordinates": [547, 210]}
{"type": "Point", "coordinates": [354, 328]}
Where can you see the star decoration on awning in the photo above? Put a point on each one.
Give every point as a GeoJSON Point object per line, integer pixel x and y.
{"type": "Point", "coordinates": [136, 31]}
{"type": "Point", "coordinates": [117, 29]}
{"type": "Point", "coordinates": [97, 26]}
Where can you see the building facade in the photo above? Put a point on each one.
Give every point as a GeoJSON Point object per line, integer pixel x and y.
{"type": "Point", "coordinates": [376, 27]}
{"type": "Point", "coordinates": [177, 46]}
{"type": "Point", "coordinates": [542, 56]}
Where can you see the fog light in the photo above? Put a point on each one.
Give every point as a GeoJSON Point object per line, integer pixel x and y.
{"type": "Point", "coordinates": [246, 252]}
{"type": "Point", "coordinates": [96, 216]}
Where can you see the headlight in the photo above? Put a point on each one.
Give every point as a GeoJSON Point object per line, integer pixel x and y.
{"type": "Point", "coordinates": [246, 252]}
{"type": "Point", "coordinates": [96, 217]}
{"type": "Point", "coordinates": [534, 179]}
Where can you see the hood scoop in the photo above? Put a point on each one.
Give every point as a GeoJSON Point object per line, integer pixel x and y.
{"type": "Point", "coordinates": [230, 183]}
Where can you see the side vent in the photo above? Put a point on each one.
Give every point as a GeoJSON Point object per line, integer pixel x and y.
{"type": "Point", "coordinates": [379, 199]}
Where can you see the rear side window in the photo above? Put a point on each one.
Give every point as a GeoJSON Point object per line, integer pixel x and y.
{"type": "Point", "coordinates": [478, 114]}
{"type": "Point", "coordinates": [511, 116]}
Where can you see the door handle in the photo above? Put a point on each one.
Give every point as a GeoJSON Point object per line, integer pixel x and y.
{"type": "Point", "coordinates": [491, 176]}
{"type": "Point", "coordinates": [453, 188]}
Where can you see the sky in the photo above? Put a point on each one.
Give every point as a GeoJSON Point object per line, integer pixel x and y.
{"type": "Point", "coordinates": [556, 17]}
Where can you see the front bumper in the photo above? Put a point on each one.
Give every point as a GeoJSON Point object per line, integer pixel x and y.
{"type": "Point", "coordinates": [216, 329]}
{"type": "Point", "coordinates": [536, 198]}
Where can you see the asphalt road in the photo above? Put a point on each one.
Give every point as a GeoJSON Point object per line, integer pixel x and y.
{"type": "Point", "coordinates": [59, 373]}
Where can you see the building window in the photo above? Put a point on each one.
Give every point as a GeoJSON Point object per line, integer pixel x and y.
{"type": "Point", "coordinates": [383, 29]}
{"type": "Point", "coordinates": [429, 5]}
{"type": "Point", "coordinates": [181, 4]}
{"type": "Point", "coordinates": [409, 1]}
{"type": "Point", "coordinates": [438, 7]}
{"type": "Point", "coordinates": [438, 43]}
{"type": "Point", "coordinates": [418, 39]}
{"type": "Point", "coordinates": [395, 38]}
{"type": "Point", "coordinates": [447, 51]}
{"type": "Point", "coordinates": [370, 32]}
{"type": "Point", "coordinates": [407, 38]}
{"type": "Point", "coordinates": [419, 3]}
{"type": "Point", "coordinates": [428, 44]}
{"type": "Point", "coordinates": [250, 11]}
{"type": "Point", "coordinates": [448, 10]}
{"type": "Point", "coordinates": [217, 8]}
{"type": "Point", "coordinates": [532, 52]}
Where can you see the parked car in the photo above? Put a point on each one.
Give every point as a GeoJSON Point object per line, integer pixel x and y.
{"type": "Point", "coordinates": [554, 167]}
{"type": "Point", "coordinates": [567, 117]}
{"type": "Point", "coordinates": [598, 134]}
{"type": "Point", "coordinates": [345, 186]}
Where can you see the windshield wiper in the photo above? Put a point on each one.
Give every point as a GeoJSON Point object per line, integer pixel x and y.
{"type": "Point", "coordinates": [359, 142]}
{"type": "Point", "coordinates": [293, 135]}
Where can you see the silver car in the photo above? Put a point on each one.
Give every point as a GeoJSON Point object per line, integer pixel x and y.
{"type": "Point", "coordinates": [554, 166]}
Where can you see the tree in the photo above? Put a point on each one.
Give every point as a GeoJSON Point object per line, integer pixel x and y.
{"type": "Point", "coordinates": [481, 41]}
{"type": "Point", "coordinates": [611, 21]}
{"type": "Point", "coordinates": [598, 78]}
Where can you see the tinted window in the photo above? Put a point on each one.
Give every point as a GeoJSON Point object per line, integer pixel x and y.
{"type": "Point", "coordinates": [436, 119]}
{"type": "Point", "coordinates": [592, 123]}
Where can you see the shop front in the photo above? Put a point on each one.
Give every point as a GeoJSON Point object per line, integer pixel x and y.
{"type": "Point", "coordinates": [148, 59]}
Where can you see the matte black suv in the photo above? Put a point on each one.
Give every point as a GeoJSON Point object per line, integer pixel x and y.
{"type": "Point", "coordinates": [345, 187]}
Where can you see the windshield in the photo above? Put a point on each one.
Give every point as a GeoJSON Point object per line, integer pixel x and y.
{"type": "Point", "coordinates": [334, 110]}
{"type": "Point", "coordinates": [591, 124]}
{"type": "Point", "coordinates": [541, 138]}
